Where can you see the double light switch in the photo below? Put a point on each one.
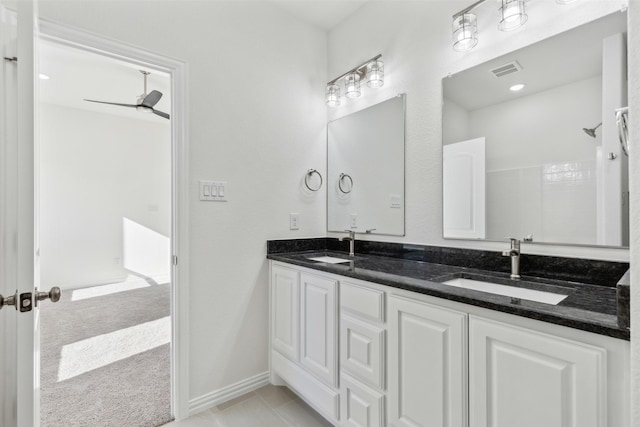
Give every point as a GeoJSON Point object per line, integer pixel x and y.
{"type": "Point", "coordinates": [215, 191]}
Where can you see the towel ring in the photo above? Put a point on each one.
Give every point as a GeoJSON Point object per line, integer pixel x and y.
{"type": "Point", "coordinates": [342, 177]}
{"type": "Point", "coordinates": [309, 174]}
{"type": "Point", "coordinates": [623, 129]}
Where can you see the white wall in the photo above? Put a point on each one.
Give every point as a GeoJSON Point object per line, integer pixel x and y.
{"type": "Point", "coordinates": [105, 197]}
{"type": "Point", "coordinates": [633, 50]}
{"type": "Point", "coordinates": [256, 120]}
{"type": "Point", "coordinates": [415, 41]}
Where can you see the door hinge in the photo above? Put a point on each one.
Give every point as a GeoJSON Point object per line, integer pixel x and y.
{"type": "Point", "coordinates": [175, 260]}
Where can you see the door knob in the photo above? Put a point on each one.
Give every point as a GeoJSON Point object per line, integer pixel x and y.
{"type": "Point", "coordinates": [10, 300]}
{"type": "Point", "coordinates": [53, 295]}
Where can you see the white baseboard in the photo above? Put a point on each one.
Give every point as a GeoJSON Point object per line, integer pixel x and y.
{"type": "Point", "coordinates": [229, 392]}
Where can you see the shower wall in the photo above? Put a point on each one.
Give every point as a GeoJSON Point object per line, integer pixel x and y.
{"type": "Point", "coordinates": [541, 179]}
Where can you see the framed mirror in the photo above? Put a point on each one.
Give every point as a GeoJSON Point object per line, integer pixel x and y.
{"type": "Point", "coordinates": [530, 142]}
{"type": "Point", "coordinates": [365, 182]}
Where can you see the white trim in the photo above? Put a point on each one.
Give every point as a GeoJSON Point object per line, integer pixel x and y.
{"type": "Point", "coordinates": [229, 392]}
{"type": "Point", "coordinates": [81, 39]}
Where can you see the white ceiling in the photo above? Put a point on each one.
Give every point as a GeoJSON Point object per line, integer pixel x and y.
{"type": "Point", "coordinates": [569, 57]}
{"type": "Point", "coordinates": [76, 75]}
{"type": "Point", "coordinates": [324, 14]}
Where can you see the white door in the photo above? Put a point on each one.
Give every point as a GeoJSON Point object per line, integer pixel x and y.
{"type": "Point", "coordinates": [20, 404]}
{"type": "Point", "coordinates": [427, 365]}
{"type": "Point", "coordinates": [463, 189]}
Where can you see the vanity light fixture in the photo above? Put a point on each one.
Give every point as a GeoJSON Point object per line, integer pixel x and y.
{"type": "Point", "coordinates": [375, 74]}
{"type": "Point", "coordinates": [333, 95]}
{"type": "Point", "coordinates": [512, 15]}
{"type": "Point", "coordinates": [352, 85]}
{"type": "Point", "coordinates": [465, 31]}
{"type": "Point", "coordinates": [372, 71]}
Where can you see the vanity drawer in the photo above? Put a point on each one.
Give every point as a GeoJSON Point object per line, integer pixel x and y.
{"type": "Point", "coordinates": [360, 406]}
{"type": "Point", "coordinates": [362, 301]}
{"type": "Point", "coordinates": [362, 349]}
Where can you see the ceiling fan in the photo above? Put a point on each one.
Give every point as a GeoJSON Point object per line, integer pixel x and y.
{"type": "Point", "coordinates": [145, 101]}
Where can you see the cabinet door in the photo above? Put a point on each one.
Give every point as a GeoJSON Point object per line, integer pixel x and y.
{"type": "Point", "coordinates": [427, 365]}
{"type": "Point", "coordinates": [284, 311]}
{"type": "Point", "coordinates": [519, 377]}
{"type": "Point", "coordinates": [318, 313]}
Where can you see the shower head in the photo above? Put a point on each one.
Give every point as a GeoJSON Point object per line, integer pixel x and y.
{"type": "Point", "coordinates": [591, 132]}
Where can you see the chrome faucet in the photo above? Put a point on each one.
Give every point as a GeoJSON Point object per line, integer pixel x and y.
{"type": "Point", "coordinates": [514, 253]}
{"type": "Point", "coordinates": [352, 241]}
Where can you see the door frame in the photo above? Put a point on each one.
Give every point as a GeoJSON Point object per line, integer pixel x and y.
{"type": "Point", "coordinates": [65, 35]}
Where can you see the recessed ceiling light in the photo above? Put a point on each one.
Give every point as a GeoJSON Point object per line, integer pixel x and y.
{"type": "Point", "coordinates": [43, 76]}
{"type": "Point", "coordinates": [517, 87]}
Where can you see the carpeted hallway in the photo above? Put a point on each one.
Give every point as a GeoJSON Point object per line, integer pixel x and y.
{"type": "Point", "coordinates": [105, 356]}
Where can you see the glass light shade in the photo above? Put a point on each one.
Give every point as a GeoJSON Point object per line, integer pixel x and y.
{"type": "Point", "coordinates": [512, 15]}
{"type": "Point", "coordinates": [352, 85]}
{"type": "Point", "coordinates": [375, 74]}
{"type": "Point", "coordinates": [465, 32]}
{"type": "Point", "coordinates": [333, 95]}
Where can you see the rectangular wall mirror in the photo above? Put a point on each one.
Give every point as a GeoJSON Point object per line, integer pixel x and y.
{"type": "Point", "coordinates": [365, 183]}
{"type": "Point", "coordinates": [530, 142]}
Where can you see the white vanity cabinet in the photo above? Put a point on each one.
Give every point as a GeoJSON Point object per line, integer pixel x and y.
{"type": "Point", "coordinates": [389, 357]}
{"type": "Point", "coordinates": [427, 364]}
{"type": "Point", "coordinates": [521, 377]}
{"type": "Point", "coordinates": [362, 355]}
{"type": "Point", "coordinates": [304, 334]}
{"type": "Point", "coordinates": [319, 327]}
{"type": "Point", "coordinates": [285, 289]}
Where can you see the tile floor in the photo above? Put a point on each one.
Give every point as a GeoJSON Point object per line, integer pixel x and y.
{"type": "Point", "coordinates": [269, 406]}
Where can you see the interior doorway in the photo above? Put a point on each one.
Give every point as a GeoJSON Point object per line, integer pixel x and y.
{"type": "Point", "coordinates": [105, 228]}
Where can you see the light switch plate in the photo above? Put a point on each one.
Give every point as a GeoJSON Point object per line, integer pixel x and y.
{"type": "Point", "coordinates": [213, 191]}
{"type": "Point", "coordinates": [396, 201]}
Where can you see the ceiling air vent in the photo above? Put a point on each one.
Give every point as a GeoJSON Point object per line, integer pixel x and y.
{"type": "Point", "coordinates": [505, 69]}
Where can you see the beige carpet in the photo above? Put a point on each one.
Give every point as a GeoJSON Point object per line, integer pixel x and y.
{"type": "Point", "coordinates": [105, 357]}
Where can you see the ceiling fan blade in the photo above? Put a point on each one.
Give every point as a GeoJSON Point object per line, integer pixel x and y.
{"type": "Point", "coordinates": [161, 114]}
{"type": "Point", "coordinates": [151, 99]}
{"type": "Point", "coordinates": [112, 103]}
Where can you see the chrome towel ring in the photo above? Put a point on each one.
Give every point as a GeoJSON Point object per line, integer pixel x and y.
{"type": "Point", "coordinates": [623, 129]}
{"type": "Point", "coordinates": [343, 178]}
{"type": "Point", "coordinates": [309, 174]}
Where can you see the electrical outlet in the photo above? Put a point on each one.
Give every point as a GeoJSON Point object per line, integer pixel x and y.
{"type": "Point", "coordinates": [294, 221]}
{"type": "Point", "coordinates": [354, 220]}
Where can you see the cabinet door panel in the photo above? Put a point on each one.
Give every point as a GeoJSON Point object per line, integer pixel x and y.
{"type": "Point", "coordinates": [530, 379]}
{"type": "Point", "coordinates": [427, 365]}
{"type": "Point", "coordinates": [318, 322]}
{"type": "Point", "coordinates": [362, 351]}
{"type": "Point", "coordinates": [360, 406]}
{"type": "Point", "coordinates": [284, 311]}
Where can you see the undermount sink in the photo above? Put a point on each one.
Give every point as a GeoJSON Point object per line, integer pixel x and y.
{"type": "Point", "coordinates": [506, 290]}
{"type": "Point", "coordinates": [329, 259]}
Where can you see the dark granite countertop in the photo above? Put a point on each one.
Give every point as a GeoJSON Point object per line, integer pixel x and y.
{"type": "Point", "coordinates": [588, 307]}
